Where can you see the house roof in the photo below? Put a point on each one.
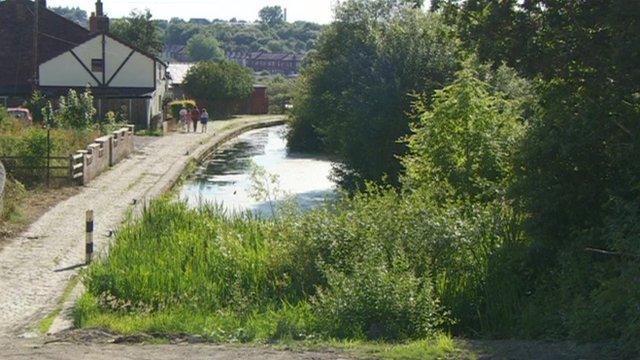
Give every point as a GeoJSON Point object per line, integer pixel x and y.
{"type": "Point", "coordinates": [56, 36]}
{"type": "Point", "coordinates": [265, 56]}
{"type": "Point", "coordinates": [178, 71]}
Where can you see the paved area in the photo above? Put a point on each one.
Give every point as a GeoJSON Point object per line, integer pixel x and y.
{"type": "Point", "coordinates": [36, 266]}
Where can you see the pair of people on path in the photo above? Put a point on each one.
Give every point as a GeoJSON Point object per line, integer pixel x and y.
{"type": "Point", "coordinates": [194, 116]}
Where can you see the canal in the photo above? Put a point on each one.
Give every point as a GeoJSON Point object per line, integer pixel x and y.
{"type": "Point", "coordinates": [224, 178]}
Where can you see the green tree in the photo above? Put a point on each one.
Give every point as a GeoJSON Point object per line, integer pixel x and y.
{"type": "Point", "coordinates": [74, 14]}
{"type": "Point", "coordinates": [576, 170]}
{"type": "Point", "coordinates": [462, 147]}
{"type": "Point", "coordinates": [139, 30]}
{"type": "Point", "coordinates": [203, 48]}
{"type": "Point", "coordinates": [272, 16]}
{"type": "Point", "coordinates": [355, 93]}
{"type": "Point", "coordinates": [219, 84]}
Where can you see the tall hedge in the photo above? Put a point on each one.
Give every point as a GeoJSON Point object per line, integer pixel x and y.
{"type": "Point", "coordinates": [177, 105]}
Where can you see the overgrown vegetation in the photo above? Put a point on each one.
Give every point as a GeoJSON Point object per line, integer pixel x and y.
{"type": "Point", "coordinates": [72, 123]}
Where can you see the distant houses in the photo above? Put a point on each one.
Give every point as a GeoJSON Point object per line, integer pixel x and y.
{"type": "Point", "coordinates": [278, 63]}
{"type": "Point", "coordinates": [275, 63]}
{"type": "Point", "coordinates": [67, 56]}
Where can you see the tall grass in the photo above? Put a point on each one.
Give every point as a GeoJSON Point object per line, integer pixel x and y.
{"type": "Point", "coordinates": [375, 266]}
{"type": "Point", "coordinates": [194, 260]}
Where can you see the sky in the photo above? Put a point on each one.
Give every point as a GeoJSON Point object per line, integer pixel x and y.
{"type": "Point", "coordinates": [319, 11]}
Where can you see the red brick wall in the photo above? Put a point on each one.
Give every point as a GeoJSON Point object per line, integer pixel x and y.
{"type": "Point", "coordinates": [259, 101]}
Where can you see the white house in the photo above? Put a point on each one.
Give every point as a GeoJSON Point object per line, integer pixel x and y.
{"type": "Point", "coordinates": [121, 77]}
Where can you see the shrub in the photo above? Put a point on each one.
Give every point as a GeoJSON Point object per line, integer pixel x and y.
{"type": "Point", "coordinates": [32, 146]}
{"type": "Point", "coordinates": [462, 147]}
{"type": "Point", "coordinates": [280, 94]}
{"type": "Point", "coordinates": [374, 302]}
{"type": "Point", "coordinates": [10, 201]}
{"type": "Point", "coordinates": [177, 105]}
{"type": "Point", "coordinates": [20, 139]}
{"type": "Point", "coordinates": [35, 104]}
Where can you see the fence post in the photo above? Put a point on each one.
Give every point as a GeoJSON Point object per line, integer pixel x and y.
{"type": "Point", "coordinates": [71, 168]}
{"type": "Point", "coordinates": [48, 155]}
{"type": "Point", "coordinates": [89, 237]}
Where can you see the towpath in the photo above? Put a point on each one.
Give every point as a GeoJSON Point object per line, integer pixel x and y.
{"type": "Point", "coordinates": [36, 266]}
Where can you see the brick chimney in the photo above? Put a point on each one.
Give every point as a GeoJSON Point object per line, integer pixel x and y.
{"type": "Point", "coordinates": [98, 22]}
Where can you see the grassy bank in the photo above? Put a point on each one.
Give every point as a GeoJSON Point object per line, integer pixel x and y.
{"type": "Point", "coordinates": [244, 279]}
{"type": "Point", "coordinates": [373, 276]}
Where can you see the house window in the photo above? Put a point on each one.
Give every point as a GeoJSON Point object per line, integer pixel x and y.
{"type": "Point", "coordinates": [3, 101]}
{"type": "Point", "coordinates": [97, 65]}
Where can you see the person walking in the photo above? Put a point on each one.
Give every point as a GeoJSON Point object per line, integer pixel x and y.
{"type": "Point", "coordinates": [204, 120]}
{"type": "Point", "coordinates": [195, 117]}
{"type": "Point", "coordinates": [185, 118]}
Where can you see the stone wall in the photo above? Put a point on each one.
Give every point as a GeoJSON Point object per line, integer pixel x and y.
{"type": "Point", "coordinates": [105, 152]}
{"type": "Point", "coordinates": [97, 158]}
{"type": "Point", "coordinates": [121, 145]}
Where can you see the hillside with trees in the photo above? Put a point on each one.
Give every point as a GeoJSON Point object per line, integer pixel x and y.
{"type": "Point", "coordinates": [206, 39]}
{"type": "Point", "coordinates": [74, 14]}
{"type": "Point", "coordinates": [270, 34]}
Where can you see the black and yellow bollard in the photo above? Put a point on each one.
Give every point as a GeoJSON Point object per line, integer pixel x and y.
{"type": "Point", "coordinates": [89, 237]}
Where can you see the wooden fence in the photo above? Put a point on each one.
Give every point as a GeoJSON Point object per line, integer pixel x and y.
{"type": "Point", "coordinates": [78, 168]}
{"type": "Point", "coordinates": [36, 169]}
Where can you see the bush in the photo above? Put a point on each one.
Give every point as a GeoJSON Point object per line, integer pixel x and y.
{"type": "Point", "coordinates": [33, 147]}
{"type": "Point", "coordinates": [10, 201]}
{"type": "Point", "coordinates": [280, 94]}
{"type": "Point", "coordinates": [177, 105]}
{"type": "Point", "coordinates": [462, 147]}
{"type": "Point", "coordinates": [378, 303]}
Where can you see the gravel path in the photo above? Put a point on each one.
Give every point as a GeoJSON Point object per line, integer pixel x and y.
{"type": "Point", "coordinates": [36, 266]}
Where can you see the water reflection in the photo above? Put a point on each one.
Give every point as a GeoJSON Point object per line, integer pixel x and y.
{"type": "Point", "coordinates": [224, 178]}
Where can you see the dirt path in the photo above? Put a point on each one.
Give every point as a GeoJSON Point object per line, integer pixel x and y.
{"type": "Point", "coordinates": [36, 266]}
{"type": "Point", "coordinates": [28, 349]}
